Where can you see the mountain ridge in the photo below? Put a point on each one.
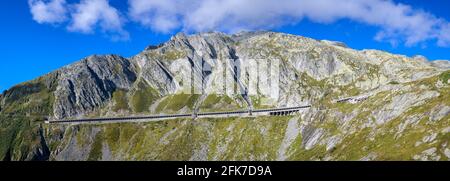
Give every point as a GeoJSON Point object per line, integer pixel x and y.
{"type": "Point", "coordinates": [403, 96]}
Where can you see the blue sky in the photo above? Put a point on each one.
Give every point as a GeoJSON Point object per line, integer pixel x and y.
{"type": "Point", "coordinates": [38, 37]}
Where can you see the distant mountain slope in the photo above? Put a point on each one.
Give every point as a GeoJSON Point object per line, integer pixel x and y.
{"type": "Point", "coordinates": [404, 113]}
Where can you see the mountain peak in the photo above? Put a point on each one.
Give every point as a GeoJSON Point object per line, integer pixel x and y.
{"type": "Point", "coordinates": [179, 35]}
{"type": "Point", "coordinates": [335, 43]}
{"type": "Point", "coordinates": [358, 99]}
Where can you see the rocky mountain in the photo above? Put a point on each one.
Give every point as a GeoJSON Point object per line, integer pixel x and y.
{"type": "Point", "coordinates": [399, 106]}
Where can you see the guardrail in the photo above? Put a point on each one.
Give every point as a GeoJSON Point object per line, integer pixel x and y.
{"type": "Point", "coordinates": [155, 117]}
{"type": "Point", "coordinates": [271, 112]}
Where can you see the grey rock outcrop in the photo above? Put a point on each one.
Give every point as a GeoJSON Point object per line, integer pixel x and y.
{"type": "Point", "coordinates": [88, 84]}
{"type": "Point", "coordinates": [205, 58]}
{"type": "Point", "coordinates": [394, 101]}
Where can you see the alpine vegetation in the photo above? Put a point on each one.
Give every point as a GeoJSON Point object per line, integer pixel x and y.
{"type": "Point", "coordinates": [363, 104]}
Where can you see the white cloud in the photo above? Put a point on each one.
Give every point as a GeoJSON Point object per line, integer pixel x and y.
{"type": "Point", "coordinates": [50, 11]}
{"type": "Point", "coordinates": [444, 36]}
{"type": "Point", "coordinates": [89, 14]}
{"type": "Point", "coordinates": [85, 17]}
{"type": "Point", "coordinates": [397, 22]}
{"type": "Point", "coordinates": [159, 15]}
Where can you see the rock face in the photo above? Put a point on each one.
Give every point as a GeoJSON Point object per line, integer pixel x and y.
{"type": "Point", "coordinates": [88, 84]}
{"type": "Point", "coordinates": [398, 100]}
{"type": "Point", "coordinates": [207, 57]}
